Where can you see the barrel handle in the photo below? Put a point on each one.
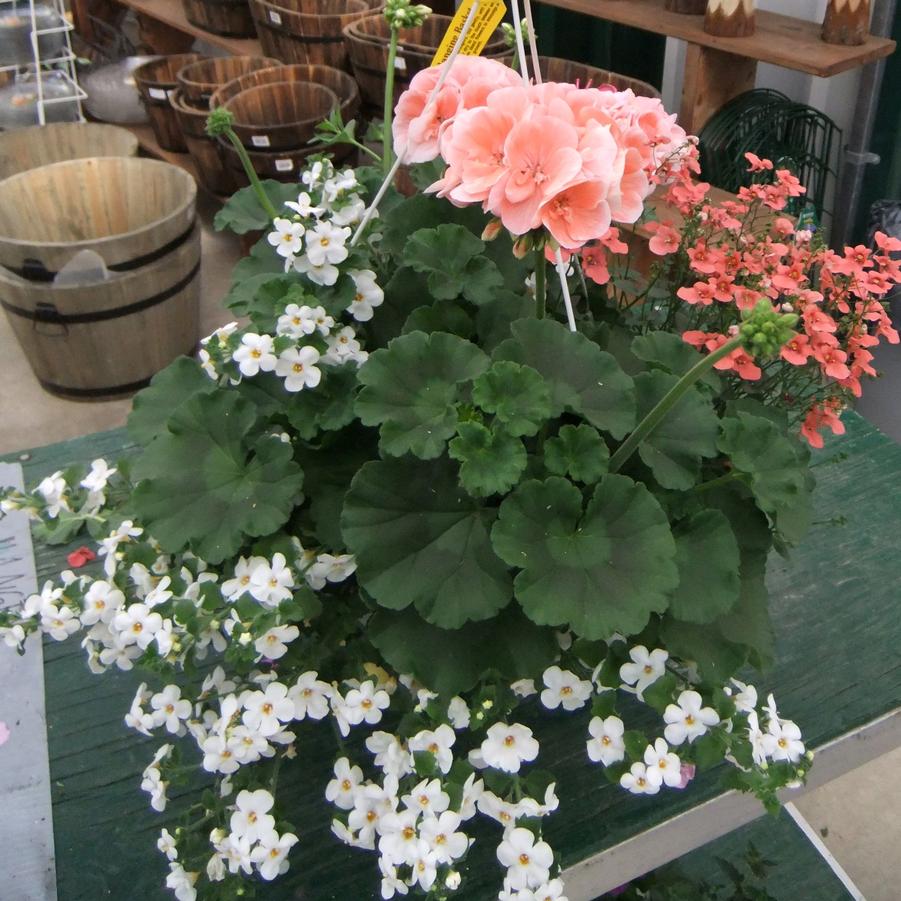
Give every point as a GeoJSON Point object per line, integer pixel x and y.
{"type": "Point", "coordinates": [48, 321]}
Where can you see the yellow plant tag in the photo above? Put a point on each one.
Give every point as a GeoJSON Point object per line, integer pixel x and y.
{"type": "Point", "coordinates": [488, 16]}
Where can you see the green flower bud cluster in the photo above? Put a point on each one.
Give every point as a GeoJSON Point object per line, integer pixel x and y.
{"type": "Point", "coordinates": [764, 330]}
{"type": "Point", "coordinates": [510, 33]}
{"type": "Point", "coordinates": [219, 121]}
{"type": "Point", "coordinates": [403, 14]}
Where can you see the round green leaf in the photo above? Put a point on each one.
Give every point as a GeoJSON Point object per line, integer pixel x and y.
{"type": "Point", "coordinates": [577, 451]}
{"type": "Point", "coordinates": [491, 460]}
{"type": "Point", "coordinates": [709, 562]}
{"type": "Point", "coordinates": [582, 378]}
{"type": "Point", "coordinates": [674, 450]}
{"type": "Point", "coordinates": [420, 539]}
{"type": "Point", "coordinates": [602, 571]}
{"type": "Point", "coordinates": [517, 395]}
{"type": "Point", "coordinates": [411, 388]}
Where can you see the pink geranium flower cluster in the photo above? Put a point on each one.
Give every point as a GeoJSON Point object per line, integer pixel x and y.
{"type": "Point", "coordinates": [555, 156]}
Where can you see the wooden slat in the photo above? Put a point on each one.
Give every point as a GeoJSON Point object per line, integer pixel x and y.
{"type": "Point", "coordinates": [780, 40]}
{"type": "Point", "coordinates": [839, 668]}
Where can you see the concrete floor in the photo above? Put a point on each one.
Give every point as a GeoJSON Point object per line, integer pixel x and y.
{"type": "Point", "coordinates": [859, 815]}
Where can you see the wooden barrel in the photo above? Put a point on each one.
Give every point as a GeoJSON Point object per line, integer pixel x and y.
{"type": "Point", "coordinates": [155, 81]}
{"type": "Point", "coordinates": [203, 149]}
{"type": "Point", "coordinates": [282, 115]}
{"type": "Point", "coordinates": [38, 145]}
{"type": "Point", "coordinates": [230, 18]}
{"type": "Point", "coordinates": [306, 31]}
{"type": "Point", "coordinates": [367, 43]}
{"type": "Point", "coordinates": [282, 165]}
{"type": "Point", "coordinates": [197, 81]}
{"type": "Point", "coordinates": [335, 80]}
{"type": "Point", "coordinates": [124, 209]}
{"type": "Point", "coordinates": [108, 337]}
{"type": "Point", "coordinates": [565, 70]}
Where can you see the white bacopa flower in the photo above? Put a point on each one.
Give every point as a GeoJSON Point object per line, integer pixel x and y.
{"type": "Point", "coordinates": [371, 803]}
{"type": "Point", "coordinates": [524, 688]}
{"type": "Point", "coordinates": [207, 364]}
{"type": "Point", "coordinates": [255, 354]}
{"type": "Point", "coordinates": [645, 669]}
{"type": "Point", "coordinates": [265, 711]}
{"type": "Point", "coordinates": [312, 176]}
{"type": "Point", "coordinates": [391, 884]}
{"type": "Point", "coordinates": [271, 854]}
{"type": "Point", "coordinates": [350, 213]}
{"type": "Point", "coordinates": [458, 713]}
{"type": "Point", "coordinates": [37, 604]}
{"type": "Point", "coordinates": [247, 745]}
{"type": "Point", "coordinates": [359, 705]}
{"type": "Point", "coordinates": [235, 850]}
{"type": "Point", "coordinates": [221, 335]}
{"type": "Point", "coordinates": [334, 187]}
{"type": "Point", "coordinates": [13, 636]}
{"type": "Point", "coordinates": [101, 602]}
{"type": "Point", "coordinates": [658, 756]}
{"type": "Point", "coordinates": [251, 818]}
{"type": "Point", "coordinates": [550, 891]}
{"type": "Point", "coordinates": [53, 489]}
{"type": "Point", "coordinates": [528, 862]}
{"type": "Point", "coordinates": [439, 742]}
{"type": "Point", "coordinates": [342, 790]}
{"type": "Point", "coordinates": [390, 755]}
{"type": "Point", "coordinates": [137, 624]}
{"type": "Point", "coordinates": [759, 740]}
{"type": "Point", "coordinates": [152, 784]}
{"type": "Point", "coordinates": [287, 239]}
{"type": "Point", "coordinates": [326, 244]}
{"type": "Point", "coordinates": [745, 698]}
{"type": "Point", "coordinates": [271, 583]}
{"type": "Point", "coordinates": [330, 568]}
{"type": "Point", "coordinates": [181, 882]}
{"type": "Point", "coordinates": [783, 741]}
{"type": "Point", "coordinates": [443, 838]}
{"type": "Point", "coordinates": [303, 207]}
{"type": "Point", "coordinates": [59, 622]}
{"type": "Point", "coordinates": [297, 322]}
{"type": "Point", "coordinates": [427, 797]}
{"type": "Point", "coordinates": [507, 747]}
{"type": "Point", "coordinates": [367, 296]}
{"type": "Point", "coordinates": [160, 593]}
{"type": "Point", "coordinates": [606, 744]}
{"type": "Point", "coordinates": [564, 688]}
{"type": "Point", "coordinates": [96, 480]}
{"type": "Point", "coordinates": [166, 845]}
{"type": "Point", "coordinates": [495, 808]}
{"type": "Point", "coordinates": [324, 322]}
{"type": "Point", "coordinates": [425, 869]}
{"type": "Point", "coordinates": [642, 781]}
{"type": "Point", "coordinates": [325, 274]}
{"type": "Point", "coordinates": [233, 588]}
{"type": "Point", "coordinates": [400, 842]}
{"type": "Point", "coordinates": [687, 719]}
{"type": "Point", "coordinates": [218, 757]}
{"type": "Point", "coordinates": [310, 697]}
{"type": "Point", "coordinates": [343, 347]}
{"type": "Point", "coordinates": [170, 708]}
{"type": "Point", "coordinates": [297, 366]}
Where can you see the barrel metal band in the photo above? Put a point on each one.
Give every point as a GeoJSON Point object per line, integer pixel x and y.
{"type": "Point", "coordinates": [40, 274]}
{"type": "Point", "coordinates": [88, 393]}
{"type": "Point", "coordinates": [303, 38]}
{"type": "Point", "coordinates": [49, 314]}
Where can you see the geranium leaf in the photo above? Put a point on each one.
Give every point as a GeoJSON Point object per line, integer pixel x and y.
{"type": "Point", "coordinates": [243, 213]}
{"type": "Point", "coordinates": [328, 407]}
{"type": "Point", "coordinates": [451, 661]}
{"type": "Point", "coordinates": [603, 570]}
{"type": "Point", "coordinates": [481, 279]}
{"type": "Point", "coordinates": [577, 451]}
{"type": "Point", "coordinates": [493, 320]}
{"type": "Point", "coordinates": [257, 268]}
{"type": "Point", "coordinates": [492, 460]}
{"type": "Point", "coordinates": [411, 388]}
{"type": "Point", "coordinates": [168, 390]}
{"type": "Point", "coordinates": [778, 468]}
{"type": "Point", "coordinates": [670, 352]}
{"type": "Point", "coordinates": [674, 450]}
{"type": "Point", "coordinates": [582, 377]}
{"type": "Point", "coordinates": [208, 484]}
{"type": "Point", "coordinates": [708, 558]}
{"type": "Point", "coordinates": [420, 539]}
{"type": "Point", "coordinates": [441, 316]}
{"type": "Point", "coordinates": [517, 395]}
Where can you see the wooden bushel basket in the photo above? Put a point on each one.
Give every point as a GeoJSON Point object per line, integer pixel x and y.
{"type": "Point", "coordinates": [367, 43]}
{"type": "Point", "coordinates": [203, 149]}
{"type": "Point", "coordinates": [229, 18]}
{"type": "Point", "coordinates": [155, 81]}
{"type": "Point", "coordinates": [199, 80]}
{"type": "Point", "coordinates": [282, 115]}
{"type": "Point", "coordinates": [568, 72]}
{"type": "Point", "coordinates": [39, 145]}
{"type": "Point", "coordinates": [306, 31]}
{"type": "Point", "coordinates": [282, 165]}
{"type": "Point", "coordinates": [106, 338]}
{"type": "Point", "coordinates": [341, 83]}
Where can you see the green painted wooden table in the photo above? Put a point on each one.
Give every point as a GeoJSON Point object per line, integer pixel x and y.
{"type": "Point", "coordinates": [836, 611]}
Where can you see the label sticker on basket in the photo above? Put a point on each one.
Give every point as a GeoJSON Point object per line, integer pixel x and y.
{"type": "Point", "coordinates": [487, 17]}
{"type": "Point", "coordinates": [400, 64]}
{"type": "Point", "coordinates": [158, 94]}
{"type": "Point", "coordinates": [284, 165]}
{"type": "Point", "coordinates": [259, 140]}
{"type": "Point", "coordinates": [275, 17]}
{"type": "Point", "coordinates": [170, 95]}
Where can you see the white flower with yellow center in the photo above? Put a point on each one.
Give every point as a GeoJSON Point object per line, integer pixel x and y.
{"type": "Point", "coordinates": [427, 797]}
{"type": "Point", "coordinates": [438, 742]}
{"type": "Point", "coordinates": [287, 239]}
{"type": "Point", "coordinates": [170, 708]}
{"type": "Point", "coordinates": [783, 741]}
{"type": "Point", "coordinates": [136, 624]}
{"type": "Point", "coordinates": [273, 643]}
{"type": "Point", "coordinates": [606, 744]}
{"type": "Point", "coordinates": [343, 347]}
{"type": "Point", "coordinates": [303, 207]}
{"type": "Point", "coordinates": [296, 321]}
{"type": "Point", "coordinates": [53, 489]}
{"type": "Point", "coordinates": [271, 854]}
{"type": "Point", "coordinates": [443, 838]}
{"type": "Point", "coordinates": [351, 212]}
{"type": "Point", "coordinates": [297, 366]}
{"type": "Point", "coordinates": [251, 818]}
{"type": "Point", "coordinates": [342, 790]}
{"type": "Point", "coordinates": [642, 781]}
{"type": "Point", "coordinates": [687, 719]}
{"type": "Point", "coordinates": [271, 583]}
{"type": "Point", "coordinates": [658, 756]}
{"type": "Point", "coordinates": [400, 842]}
{"type": "Point", "coordinates": [565, 689]}
{"type": "Point", "coordinates": [181, 882]}
{"type": "Point", "coordinates": [255, 354]}
{"type": "Point", "coordinates": [507, 746]}
{"type": "Point", "coordinates": [360, 705]}
{"type": "Point", "coordinates": [266, 710]}
{"type": "Point", "coordinates": [326, 244]}
{"type": "Point", "coordinates": [310, 697]}
{"type": "Point", "coordinates": [367, 295]}
{"type": "Point", "coordinates": [96, 480]}
{"type": "Point", "coordinates": [324, 273]}
{"type": "Point", "coordinates": [528, 862]}
{"type": "Point", "coordinates": [233, 588]}
{"type": "Point", "coordinates": [645, 669]}
{"type": "Point", "coordinates": [166, 845]}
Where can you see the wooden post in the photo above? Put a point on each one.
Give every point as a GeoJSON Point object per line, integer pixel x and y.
{"type": "Point", "coordinates": [712, 79]}
{"type": "Point", "coordinates": [730, 18]}
{"type": "Point", "coordinates": [847, 22]}
{"type": "Point", "coordinates": [690, 7]}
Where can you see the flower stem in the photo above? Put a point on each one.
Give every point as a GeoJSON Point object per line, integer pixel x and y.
{"type": "Point", "coordinates": [255, 183]}
{"type": "Point", "coordinates": [387, 141]}
{"type": "Point", "coordinates": [668, 401]}
{"type": "Point", "coordinates": [540, 283]}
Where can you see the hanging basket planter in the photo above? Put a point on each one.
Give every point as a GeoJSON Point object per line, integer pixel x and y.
{"type": "Point", "coordinates": [229, 18]}
{"type": "Point", "coordinates": [156, 81]}
{"type": "Point", "coordinates": [198, 81]}
{"type": "Point", "coordinates": [306, 31]}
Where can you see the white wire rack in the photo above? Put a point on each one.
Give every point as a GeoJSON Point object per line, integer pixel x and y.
{"type": "Point", "coordinates": [62, 64]}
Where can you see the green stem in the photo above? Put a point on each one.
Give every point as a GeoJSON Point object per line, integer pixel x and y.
{"type": "Point", "coordinates": [265, 202]}
{"type": "Point", "coordinates": [387, 139]}
{"type": "Point", "coordinates": [720, 480]}
{"type": "Point", "coordinates": [368, 150]}
{"type": "Point", "coordinates": [668, 401]}
{"type": "Point", "coordinates": [540, 283]}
